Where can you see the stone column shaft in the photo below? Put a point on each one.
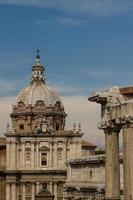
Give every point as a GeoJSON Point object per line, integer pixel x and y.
{"type": "Point", "coordinates": [23, 154]}
{"type": "Point", "coordinates": [13, 191]}
{"type": "Point", "coordinates": [37, 187]}
{"type": "Point", "coordinates": [33, 191]}
{"type": "Point", "coordinates": [23, 192]}
{"type": "Point", "coordinates": [32, 155]}
{"type": "Point", "coordinates": [128, 162]}
{"type": "Point", "coordinates": [50, 155]}
{"type": "Point", "coordinates": [8, 154]}
{"type": "Point", "coordinates": [7, 191]}
{"type": "Point", "coordinates": [55, 154]}
{"type": "Point", "coordinates": [112, 168]}
{"type": "Point", "coordinates": [55, 191]}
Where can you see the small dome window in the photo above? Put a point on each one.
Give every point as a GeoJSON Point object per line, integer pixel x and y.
{"type": "Point", "coordinates": [21, 126]}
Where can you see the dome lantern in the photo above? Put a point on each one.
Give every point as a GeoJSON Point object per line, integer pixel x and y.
{"type": "Point", "coordinates": [38, 70]}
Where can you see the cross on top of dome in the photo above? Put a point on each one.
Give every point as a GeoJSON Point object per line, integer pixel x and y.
{"type": "Point", "coordinates": [37, 56]}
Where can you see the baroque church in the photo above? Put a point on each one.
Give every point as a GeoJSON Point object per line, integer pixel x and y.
{"type": "Point", "coordinates": [38, 147]}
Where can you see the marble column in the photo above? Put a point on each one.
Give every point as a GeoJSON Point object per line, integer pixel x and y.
{"type": "Point", "coordinates": [55, 191]}
{"type": "Point", "coordinates": [13, 156]}
{"type": "Point", "coordinates": [33, 191]}
{"type": "Point", "coordinates": [13, 186]}
{"type": "Point", "coordinates": [37, 154]}
{"type": "Point", "coordinates": [37, 187]}
{"type": "Point", "coordinates": [23, 154]}
{"type": "Point", "coordinates": [8, 191]}
{"type": "Point", "coordinates": [8, 154]}
{"type": "Point", "coordinates": [64, 153]}
{"type": "Point", "coordinates": [32, 155]}
{"type": "Point", "coordinates": [51, 187]}
{"type": "Point", "coordinates": [23, 191]}
{"type": "Point", "coordinates": [55, 154]}
{"type": "Point", "coordinates": [50, 154]}
{"type": "Point", "coordinates": [112, 168]}
{"type": "Point", "coordinates": [128, 161]}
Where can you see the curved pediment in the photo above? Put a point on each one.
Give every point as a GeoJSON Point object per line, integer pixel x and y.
{"type": "Point", "coordinates": [44, 148]}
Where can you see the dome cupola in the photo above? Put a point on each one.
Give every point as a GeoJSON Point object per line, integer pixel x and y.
{"type": "Point", "coordinates": [37, 103]}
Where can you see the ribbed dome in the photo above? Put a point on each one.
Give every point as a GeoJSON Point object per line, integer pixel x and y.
{"type": "Point", "coordinates": [38, 91]}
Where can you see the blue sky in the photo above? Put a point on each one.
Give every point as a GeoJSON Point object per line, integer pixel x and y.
{"type": "Point", "coordinates": [85, 45]}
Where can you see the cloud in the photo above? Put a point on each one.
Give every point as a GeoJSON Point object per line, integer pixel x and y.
{"type": "Point", "coordinates": [70, 21]}
{"type": "Point", "coordinates": [94, 7]}
{"type": "Point", "coordinates": [7, 87]}
{"type": "Point", "coordinates": [67, 21]}
{"type": "Point", "coordinates": [79, 110]}
{"type": "Point", "coordinates": [67, 90]}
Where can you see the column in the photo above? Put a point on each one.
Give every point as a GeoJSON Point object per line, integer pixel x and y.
{"type": "Point", "coordinates": [13, 186]}
{"type": "Point", "coordinates": [33, 191]}
{"type": "Point", "coordinates": [13, 154]}
{"type": "Point", "coordinates": [17, 155]}
{"type": "Point", "coordinates": [64, 153]}
{"type": "Point", "coordinates": [37, 187]}
{"type": "Point", "coordinates": [51, 187]}
{"type": "Point", "coordinates": [50, 154]}
{"type": "Point", "coordinates": [23, 154]}
{"type": "Point", "coordinates": [55, 191]}
{"type": "Point", "coordinates": [55, 154]}
{"type": "Point", "coordinates": [8, 154]}
{"type": "Point", "coordinates": [7, 191]}
{"type": "Point", "coordinates": [37, 155]}
{"type": "Point", "coordinates": [112, 168]}
{"type": "Point", "coordinates": [23, 191]}
{"type": "Point", "coordinates": [128, 161]}
{"type": "Point", "coordinates": [32, 155]}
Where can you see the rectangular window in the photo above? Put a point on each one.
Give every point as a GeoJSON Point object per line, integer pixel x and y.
{"type": "Point", "coordinates": [44, 159]}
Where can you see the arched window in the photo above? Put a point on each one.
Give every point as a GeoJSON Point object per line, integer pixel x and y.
{"type": "Point", "coordinates": [44, 159]}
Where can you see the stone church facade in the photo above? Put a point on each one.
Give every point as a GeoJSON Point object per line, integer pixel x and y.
{"type": "Point", "coordinates": [37, 144]}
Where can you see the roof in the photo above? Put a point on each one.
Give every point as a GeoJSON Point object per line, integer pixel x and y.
{"type": "Point", "coordinates": [91, 160]}
{"type": "Point", "coordinates": [87, 144]}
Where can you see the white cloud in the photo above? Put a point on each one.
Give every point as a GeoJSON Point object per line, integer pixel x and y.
{"type": "Point", "coordinates": [79, 110]}
{"type": "Point", "coordinates": [6, 87]}
{"type": "Point", "coordinates": [70, 21]}
{"type": "Point", "coordinates": [95, 7]}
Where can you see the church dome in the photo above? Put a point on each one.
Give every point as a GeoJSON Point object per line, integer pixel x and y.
{"type": "Point", "coordinates": [38, 108]}
{"type": "Point", "coordinates": [38, 89]}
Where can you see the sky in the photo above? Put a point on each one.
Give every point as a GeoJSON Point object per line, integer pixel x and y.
{"type": "Point", "coordinates": [85, 45]}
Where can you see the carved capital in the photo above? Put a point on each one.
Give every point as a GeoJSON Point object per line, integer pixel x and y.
{"type": "Point", "coordinates": [110, 126]}
{"type": "Point", "coordinates": [127, 121]}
